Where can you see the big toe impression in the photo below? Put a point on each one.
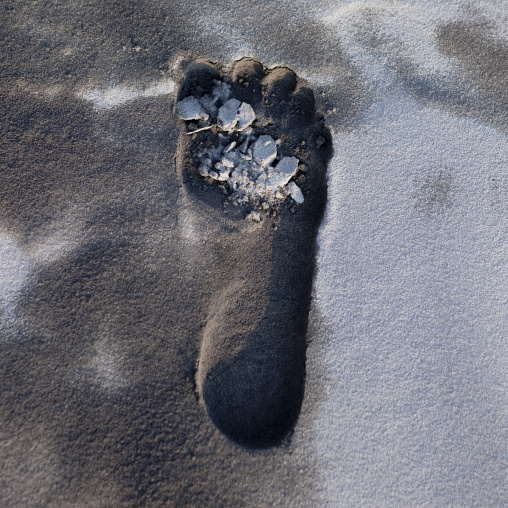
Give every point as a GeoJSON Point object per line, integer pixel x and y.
{"type": "Point", "coordinates": [198, 79]}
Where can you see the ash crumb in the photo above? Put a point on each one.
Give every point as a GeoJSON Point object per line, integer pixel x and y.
{"type": "Point", "coordinates": [254, 216]}
{"type": "Point", "coordinates": [296, 193]}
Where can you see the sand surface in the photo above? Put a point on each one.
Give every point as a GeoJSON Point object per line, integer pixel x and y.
{"type": "Point", "coordinates": [108, 274]}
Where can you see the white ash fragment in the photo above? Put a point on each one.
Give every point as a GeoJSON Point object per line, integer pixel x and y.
{"type": "Point", "coordinates": [228, 162]}
{"type": "Point", "coordinates": [227, 116]}
{"type": "Point", "coordinates": [222, 172]}
{"type": "Point", "coordinates": [296, 193]}
{"type": "Point", "coordinates": [235, 116]}
{"type": "Point", "coordinates": [233, 159]}
{"type": "Point", "coordinates": [209, 103]}
{"type": "Point", "coordinates": [288, 166]}
{"type": "Point", "coordinates": [205, 166]}
{"type": "Point", "coordinates": [264, 150]}
{"type": "Point", "coordinates": [191, 109]}
{"type": "Point", "coordinates": [221, 91]}
{"type": "Point", "coordinates": [230, 147]}
{"type": "Point", "coordinates": [273, 181]}
{"type": "Point", "coordinates": [254, 216]}
{"type": "Point", "coordinates": [245, 116]}
{"type": "Point", "coordinates": [223, 176]}
{"type": "Point", "coordinates": [245, 145]}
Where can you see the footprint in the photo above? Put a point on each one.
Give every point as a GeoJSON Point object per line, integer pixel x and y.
{"type": "Point", "coordinates": [261, 123]}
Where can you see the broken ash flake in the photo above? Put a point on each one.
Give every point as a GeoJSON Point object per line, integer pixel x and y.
{"type": "Point", "coordinates": [191, 109]}
{"type": "Point", "coordinates": [234, 115]}
{"type": "Point", "coordinates": [254, 216]}
{"type": "Point", "coordinates": [279, 177]}
{"type": "Point", "coordinates": [241, 162]}
{"type": "Point", "coordinates": [264, 150]}
{"type": "Point", "coordinates": [296, 193]}
{"type": "Point", "coordinates": [230, 147]}
{"type": "Point", "coordinates": [288, 166]}
{"type": "Point", "coordinates": [227, 117]}
{"type": "Point", "coordinates": [221, 91]}
{"type": "Point", "coordinates": [245, 115]}
{"type": "Point", "coordinates": [209, 103]}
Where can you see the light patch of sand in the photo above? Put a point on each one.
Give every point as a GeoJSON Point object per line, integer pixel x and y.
{"type": "Point", "coordinates": [391, 32]}
{"type": "Point", "coordinates": [17, 262]}
{"type": "Point", "coordinates": [214, 21]}
{"type": "Point", "coordinates": [40, 90]}
{"type": "Point", "coordinates": [15, 267]}
{"type": "Point", "coordinates": [193, 229]}
{"type": "Point", "coordinates": [107, 98]}
{"type": "Point", "coordinates": [317, 79]}
{"type": "Point", "coordinates": [415, 301]}
{"type": "Point", "coordinates": [56, 240]}
{"type": "Point", "coordinates": [107, 365]}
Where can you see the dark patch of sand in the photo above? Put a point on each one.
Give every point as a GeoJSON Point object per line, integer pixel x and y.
{"type": "Point", "coordinates": [131, 292]}
{"type": "Point", "coordinates": [485, 60]}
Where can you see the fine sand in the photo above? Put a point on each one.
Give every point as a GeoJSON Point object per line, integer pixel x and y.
{"type": "Point", "coordinates": [158, 349]}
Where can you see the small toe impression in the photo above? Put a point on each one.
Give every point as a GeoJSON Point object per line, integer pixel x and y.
{"type": "Point", "coordinates": [303, 103]}
{"type": "Point", "coordinates": [248, 69]}
{"type": "Point", "coordinates": [247, 76]}
{"type": "Point", "coordinates": [279, 84]}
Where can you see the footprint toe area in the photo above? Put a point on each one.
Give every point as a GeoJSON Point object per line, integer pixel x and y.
{"type": "Point", "coordinates": [303, 103]}
{"type": "Point", "coordinates": [248, 69]}
{"type": "Point", "coordinates": [247, 76]}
